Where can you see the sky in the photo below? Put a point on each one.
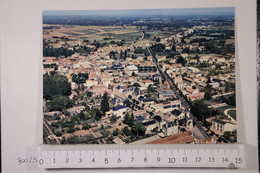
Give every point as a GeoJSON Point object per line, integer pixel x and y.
{"type": "Point", "coordinates": [145, 12]}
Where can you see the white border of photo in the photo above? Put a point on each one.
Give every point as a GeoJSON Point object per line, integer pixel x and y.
{"type": "Point", "coordinates": [21, 73]}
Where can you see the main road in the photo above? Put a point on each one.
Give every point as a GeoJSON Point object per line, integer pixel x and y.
{"type": "Point", "coordinates": [200, 133]}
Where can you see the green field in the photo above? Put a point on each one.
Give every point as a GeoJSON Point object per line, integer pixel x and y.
{"type": "Point", "coordinates": [71, 33]}
{"type": "Point", "coordinates": [232, 113]}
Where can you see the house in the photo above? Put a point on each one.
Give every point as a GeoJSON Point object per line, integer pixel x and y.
{"type": "Point", "coordinates": [170, 128]}
{"type": "Point", "coordinates": [120, 110]}
{"type": "Point", "coordinates": [214, 84]}
{"type": "Point", "coordinates": [193, 69]}
{"type": "Point", "coordinates": [204, 58]}
{"type": "Point", "coordinates": [166, 93]}
{"type": "Point", "coordinates": [177, 79]}
{"type": "Point", "coordinates": [149, 125]}
{"type": "Point", "coordinates": [75, 110]}
{"type": "Point", "coordinates": [159, 121]}
{"type": "Point", "coordinates": [131, 69]}
{"type": "Point", "coordinates": [118, 141]}
{"type": "Point", "coordinates": [90, 83]}
{"type": "Point", "coordinates": [147, 82]}
{"type": "Point", "coordinates": [223, 126]}
{"type": "Point", "coordinates": [148, 101]}
{"type": "Point", "coordinates": [196, 96]}
{"type": "Point", "coordinates": [192, 61]}
{"type": "Point", "coordinates": [177, 114]}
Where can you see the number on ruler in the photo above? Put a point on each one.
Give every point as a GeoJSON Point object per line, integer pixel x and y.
{"type": "Point", "coordinates": [132, 159]}
{"type": "Point", "coordinates": [238, 160]}
{"type": "Point", "coordinates": [145, 159]}
{"type": "Point", "coordinates": [158, 159]}
{"type": "Point", "coordinates": [80, 160]}
{"type": "Point", "coordinates": [119, 160]}
{"type": "Point", "coordinates": [106, 161]}
{"type": "Point", "coordinates": [184, 159]}
{"type": "Point", "coordinates": [211, 159]}
{"type": "Point", "coordinates": [171, 160]}
{"type": "Point", "coordinates": [224, 159]}
{"type": "Point", "coordinates": [67, 160]}
{"type": "Point", "coordinates": [198, 159]}
{"type": "Point", "coordinates": [93, 160]}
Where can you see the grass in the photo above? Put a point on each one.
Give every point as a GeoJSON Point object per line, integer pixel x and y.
{"type": "Point", "coordinates": [232, 113]}
{"type": "Point", "coordinates": [71, 33]}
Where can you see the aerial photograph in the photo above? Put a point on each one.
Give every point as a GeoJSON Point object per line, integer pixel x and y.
{"type": "Point", "coordinates": [151, 76]}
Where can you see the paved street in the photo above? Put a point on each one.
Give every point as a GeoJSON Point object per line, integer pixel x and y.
{"type": "Point", "coordinates": [200, 132]}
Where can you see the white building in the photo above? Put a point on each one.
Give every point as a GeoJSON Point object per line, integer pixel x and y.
{"type": "Point", "coordinates": [130, 69]}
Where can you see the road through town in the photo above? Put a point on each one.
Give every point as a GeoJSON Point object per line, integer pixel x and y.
{"type": "Point", "coordinates": [201, 133]}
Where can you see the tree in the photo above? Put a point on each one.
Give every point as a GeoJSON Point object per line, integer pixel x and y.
{"type": "Point", "coordinates": [200, 110]}
{"type": "Point", "coordinates": [115, 132]}
{"type": "Point", "coordinates": [104, 103]}
{"type": "Point", "coordinates": [89, 94]}
{"type": "Point", "coordinates": [131, 120]}
{"type": "Point", "coordinates": [181, 60]}
{"type": "Point", "coordinates": [113, 118]}
{"type": "Point", "coordinates": [232, 100]}
{"type": "Point", "coordinates": [58, 134]}
{"type": "Point", "coordinates": [126, 131]}
{"type": "Point", "coordinates": [86, 126]}
{"type": "Point", "coordinates": [127, 102]}
{"type": "Point", "coordinates": [126, 118]}
{"type": "Point", "coordinates": [55, 85]}
{"type": "Point", "coordinates": [81, 115]}
{"type": "Point", "coordinates": [138, 129]}
{"type": "Point", "coordinates": [136, 84]}
{"type": "Point", "coordinates": [71, 130]}
{"type": "Point", "coordinates": [60, 103]}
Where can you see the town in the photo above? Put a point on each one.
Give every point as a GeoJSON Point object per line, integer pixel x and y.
{"type": "Point", "coordinates": [139, 80]}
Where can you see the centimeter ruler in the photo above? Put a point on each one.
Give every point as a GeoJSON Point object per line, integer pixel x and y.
{"type": "Point", "coordinates": [127, 156]}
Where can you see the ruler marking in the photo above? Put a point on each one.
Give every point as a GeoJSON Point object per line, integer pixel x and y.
{"type": "Point", "coordinates": [199, 152]}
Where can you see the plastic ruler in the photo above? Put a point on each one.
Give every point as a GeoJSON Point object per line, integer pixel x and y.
{"type": "Point", "coordinates": [126, 156]}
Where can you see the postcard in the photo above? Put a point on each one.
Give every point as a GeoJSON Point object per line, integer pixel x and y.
{"type": "Point", "coordinates": [152, 76]}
